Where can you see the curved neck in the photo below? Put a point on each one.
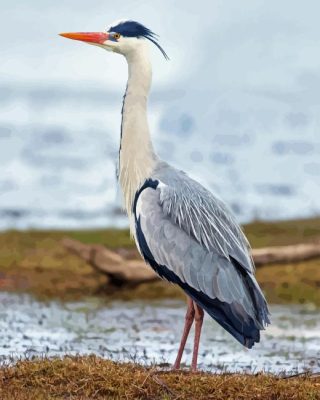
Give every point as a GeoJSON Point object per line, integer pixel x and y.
{"type": "Point", "coordinates": [136, 155]}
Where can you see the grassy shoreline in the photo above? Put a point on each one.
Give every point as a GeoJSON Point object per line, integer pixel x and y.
{"type": "Point", "coordinates": [94, 378]}
{"type": "Point", "coordinates": [35, 262]}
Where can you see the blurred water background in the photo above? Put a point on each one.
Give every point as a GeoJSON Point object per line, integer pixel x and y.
{"type": "Point", "coordinates": [237, 106]}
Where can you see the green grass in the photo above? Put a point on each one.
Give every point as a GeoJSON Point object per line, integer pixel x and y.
{"type": "Point", "coordinates": [295, 283]}
{"type": "Point", "coordinates": [281, 233]}
{"type": "Point", "coordinates": [84, 378]}
{"type": "Point", "coordinates": [36, 262]}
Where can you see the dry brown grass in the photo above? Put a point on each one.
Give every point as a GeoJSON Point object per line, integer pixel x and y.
{"type": "Point", "coordinates": [95, 378]}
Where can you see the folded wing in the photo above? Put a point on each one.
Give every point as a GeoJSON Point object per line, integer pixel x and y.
{"type": "Point", "coordinates": [183, 248]}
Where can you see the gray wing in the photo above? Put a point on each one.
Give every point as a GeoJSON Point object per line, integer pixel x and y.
{"type": "Point", "coordinates": [218, 283]}
{"type": "Point", "coordinates": [203, 216]}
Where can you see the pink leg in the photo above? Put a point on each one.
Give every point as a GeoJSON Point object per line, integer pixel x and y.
{"type": "Point", "coordinates": [187, 326]}
{"type": "Point", "coordinates": [199, 319]}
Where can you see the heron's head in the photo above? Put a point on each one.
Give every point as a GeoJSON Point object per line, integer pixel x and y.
{"type": "Point", "coordinates": [123, 37]}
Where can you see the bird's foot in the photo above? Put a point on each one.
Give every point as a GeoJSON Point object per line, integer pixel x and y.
{"type": "Point", "coordinates": [175, 366]}
{"type": "Point", "coordinates": [193, 368]}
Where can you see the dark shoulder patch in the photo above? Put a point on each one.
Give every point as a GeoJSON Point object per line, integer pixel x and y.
{"type": "Point", "coordinates": [149, 183]}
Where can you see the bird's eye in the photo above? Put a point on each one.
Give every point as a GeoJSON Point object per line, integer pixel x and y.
{"type": "Point", "coordinates": [117, 36]}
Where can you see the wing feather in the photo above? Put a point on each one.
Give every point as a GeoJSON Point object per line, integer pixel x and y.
{"type": "Point", "coordinates": [208, 276]}
{"type": "Point", "coordinates": [202, 215]}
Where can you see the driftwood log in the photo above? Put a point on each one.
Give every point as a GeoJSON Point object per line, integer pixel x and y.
{"type": "Point", "coordinates": [120, 271]}
{"type": "Point", "coordinates": [286, 254]}
{"type": "Point", "coordinates": [117, 269]}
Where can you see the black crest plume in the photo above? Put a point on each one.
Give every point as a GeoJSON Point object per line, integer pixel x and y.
{"type": "Point", "coordinates": [135, 29]}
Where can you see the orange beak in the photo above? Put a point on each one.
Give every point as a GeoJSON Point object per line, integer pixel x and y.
{"type": "Point", "coordinates": [89, 37]}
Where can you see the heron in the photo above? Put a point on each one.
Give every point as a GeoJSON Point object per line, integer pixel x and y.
{"type": "Point", "coordinates": [182, 230]}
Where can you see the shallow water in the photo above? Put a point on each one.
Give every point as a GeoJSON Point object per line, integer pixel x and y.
{"type": "Point", "coordinates": [150, 332]}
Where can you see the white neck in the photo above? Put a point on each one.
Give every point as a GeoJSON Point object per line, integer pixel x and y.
{"type": "Point", "coordinates": [136, 156]}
